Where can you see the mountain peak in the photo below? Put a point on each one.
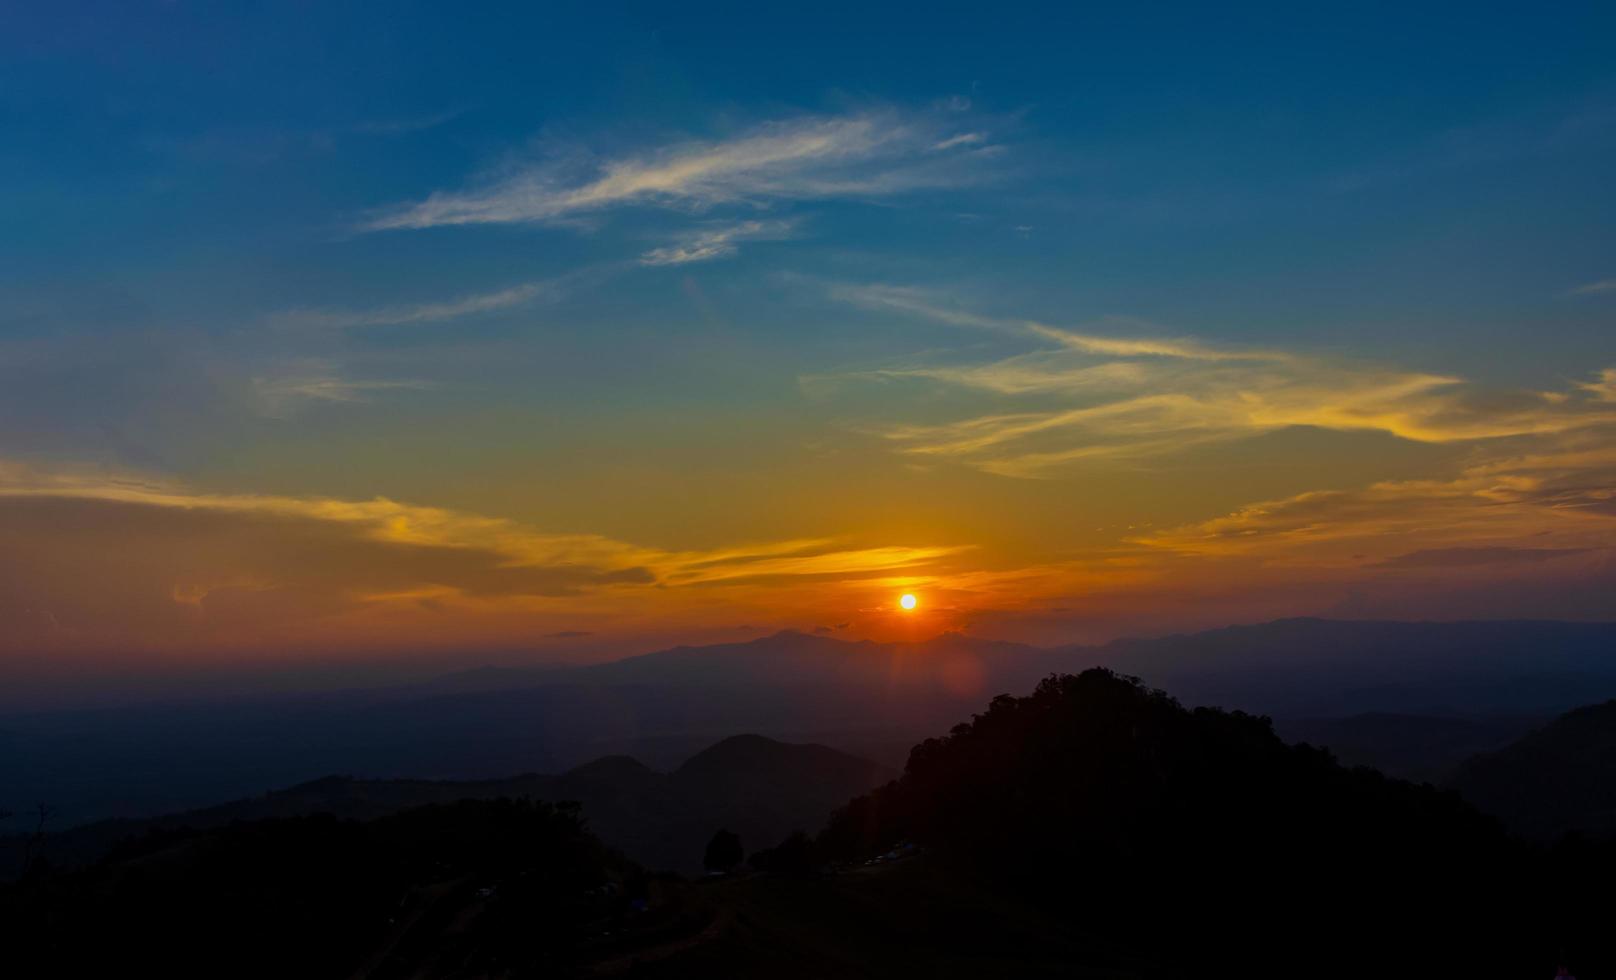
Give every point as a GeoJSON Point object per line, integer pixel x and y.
{"type": "Point", "coordinates": [612, 767]}
{"type": "Point", "coordinates": [744, 753]}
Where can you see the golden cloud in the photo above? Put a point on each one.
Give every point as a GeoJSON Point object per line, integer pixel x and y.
{"type": "Point", "coordinates": [95, 558]}
{"type": "Point", "coordinates": [1094, 397]}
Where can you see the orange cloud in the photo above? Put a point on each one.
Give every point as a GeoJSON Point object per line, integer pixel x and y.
{"type": "Point", "coordinates": [96, 560]}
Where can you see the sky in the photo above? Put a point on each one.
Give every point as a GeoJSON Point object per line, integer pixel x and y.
{"type": "Point", "coordinates": [339, 334]}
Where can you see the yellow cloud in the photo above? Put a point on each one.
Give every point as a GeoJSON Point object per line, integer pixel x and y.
{"type": "Point", "coordinates": [1094, 397]}
{"type": "Point", "coordinates": [110, 558]}
{"type": "Point", "coordinates": [1537, 502]}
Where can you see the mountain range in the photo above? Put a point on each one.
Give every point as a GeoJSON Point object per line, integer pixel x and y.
{"type": "Point", "coordinates": [758, 788]}
{"type": "Point", "coordinates": [1559, 779]}
{"type": "Point", "coordinates": [871, 699]}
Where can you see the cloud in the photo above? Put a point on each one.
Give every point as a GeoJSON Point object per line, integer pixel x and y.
{"type": "Point", "coordinates": [1605, 388]}
{"type": "Point", "coordinates": [390, 316]}
{"type": "Point", "coordinates": [1083, 395]}
{"type": "Point", "coordinates": [713, 243]}
{"type": "Point", "coordinates": [963, 139]}
{"type": "Point", "coordinates": [1525, 535]}
{"type": "Point", "coordinates": [102, 559]}
{"type": "Point", "coordinates": [926, 304]}
{"type": "Point", "coordinates": [1594, 288]}
{"type": "Point", "coordinates": [1522, 507]}
{"type": "Point", "coordinates": [865, 154]}
{"type": "Point", "coordinates": [280, 397]}
{"type": "Point", "coordinates": [811, 560]}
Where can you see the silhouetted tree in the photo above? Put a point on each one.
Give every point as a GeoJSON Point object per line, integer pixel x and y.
{"type": "Point", "coordinates": [723, 852]}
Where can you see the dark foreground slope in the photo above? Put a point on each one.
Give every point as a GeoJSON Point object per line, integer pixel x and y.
{"type": "Point", "coordinates": [1556, 780]}
{"type": "Point", "coordinates": [1210, 843]}
{"type": "Point", "coordinates": [756, 787]}
{"type": "Point", "coordinates": [1094, 828]}
{"type": "Point", "coordinates": [475, 889]}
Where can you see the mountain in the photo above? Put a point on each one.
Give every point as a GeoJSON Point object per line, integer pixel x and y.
{"type": "Point", "coordinates": [756, 787]}
{"type": "Point", "coordinates": [868, 698]}
{"type": "Point", "coordinates": [1420, 748]}
{"type": "Point", "coordinates": [759, 788]}
{"type": "Point", "coordinates": [1555, 780]}
{"type": "Point", "coordinates": [1201, 836]}
{"type": "Point", "coordinates": [1094, 828]}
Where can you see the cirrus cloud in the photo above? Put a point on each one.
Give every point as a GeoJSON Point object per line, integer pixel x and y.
{"type": "Point", "coordinates": [716, 242]}
{"type": "Point", "coordinates": [872, 153]}
{"type": "Point", "coordinates": [1081, 395]}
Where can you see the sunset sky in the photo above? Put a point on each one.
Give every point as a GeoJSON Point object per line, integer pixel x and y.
{"type": "Point", "coordinates": [343, 333]}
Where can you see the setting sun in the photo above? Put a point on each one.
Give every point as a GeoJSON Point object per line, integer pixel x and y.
{"type": "Point", "coordinates": [908, 601]}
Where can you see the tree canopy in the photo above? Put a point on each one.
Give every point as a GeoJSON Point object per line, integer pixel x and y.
{"type": "Point", "coordinates": [1206, 837]}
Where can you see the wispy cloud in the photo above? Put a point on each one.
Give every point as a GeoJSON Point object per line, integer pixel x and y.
{"type": "Point", "coordinates": [280, 397]}
{"type": "Point", "coordinates": [927, 304]}
{"type": "Point", "coordinates": [1605, 388]}
{"type": "Point", "coordinates": [262, 561]}
{"type": "Point", "coordinates": [1509, 510]}
{"type": "Point", "coordinates": [1084, 396]}
{"type": "Point", "coordinates": [1593, 288]}
{"type": "Point", "coordinates": [864, 154]}
{"type": "Point", "coordinates": [717, 242]}
{"type": "Point", "coordinates": [963, 139]}
{"type": "Point", "coordinates": [390, 316]}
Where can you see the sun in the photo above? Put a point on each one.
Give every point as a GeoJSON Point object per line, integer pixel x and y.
{"type": "Point", "coordinates": [908, 601]}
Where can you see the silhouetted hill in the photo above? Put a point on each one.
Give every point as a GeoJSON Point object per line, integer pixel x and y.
{"type": "Point", "coordinates": [868, 698]}
{"type": "Point", "coordinates": [1210, 841]}
{"type": "Point", "coordinates": [760, 788]}
{"type": "Point", "coordinates": [1557, 779]}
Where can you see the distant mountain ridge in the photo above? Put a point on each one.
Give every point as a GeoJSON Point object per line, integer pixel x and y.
{"type": "Point", "coordinates": [872, 699]}
{"type": "Point", "coordinates": [1558, 779]}
{"type": "Point", "coordinates": [1420, 748]}
{"type": "Point", "coordinates": [1323, 667]}
{"type": "Point", "coordinates": [757, 787]}
{"type": "Point", "coordinates": [1386, 666]}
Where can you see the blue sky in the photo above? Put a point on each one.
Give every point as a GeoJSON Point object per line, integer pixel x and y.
{"type": "Point", "coordinates": [1358, 169]}
{"type": "Point", "coordinates": [681, 277]}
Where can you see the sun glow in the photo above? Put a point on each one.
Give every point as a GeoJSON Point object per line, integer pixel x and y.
{"type": "Point", "coordinates": [908, 601]}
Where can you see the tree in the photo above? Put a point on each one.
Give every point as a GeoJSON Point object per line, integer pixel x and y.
{"type": "Point", "coordinates": [723, 852]}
